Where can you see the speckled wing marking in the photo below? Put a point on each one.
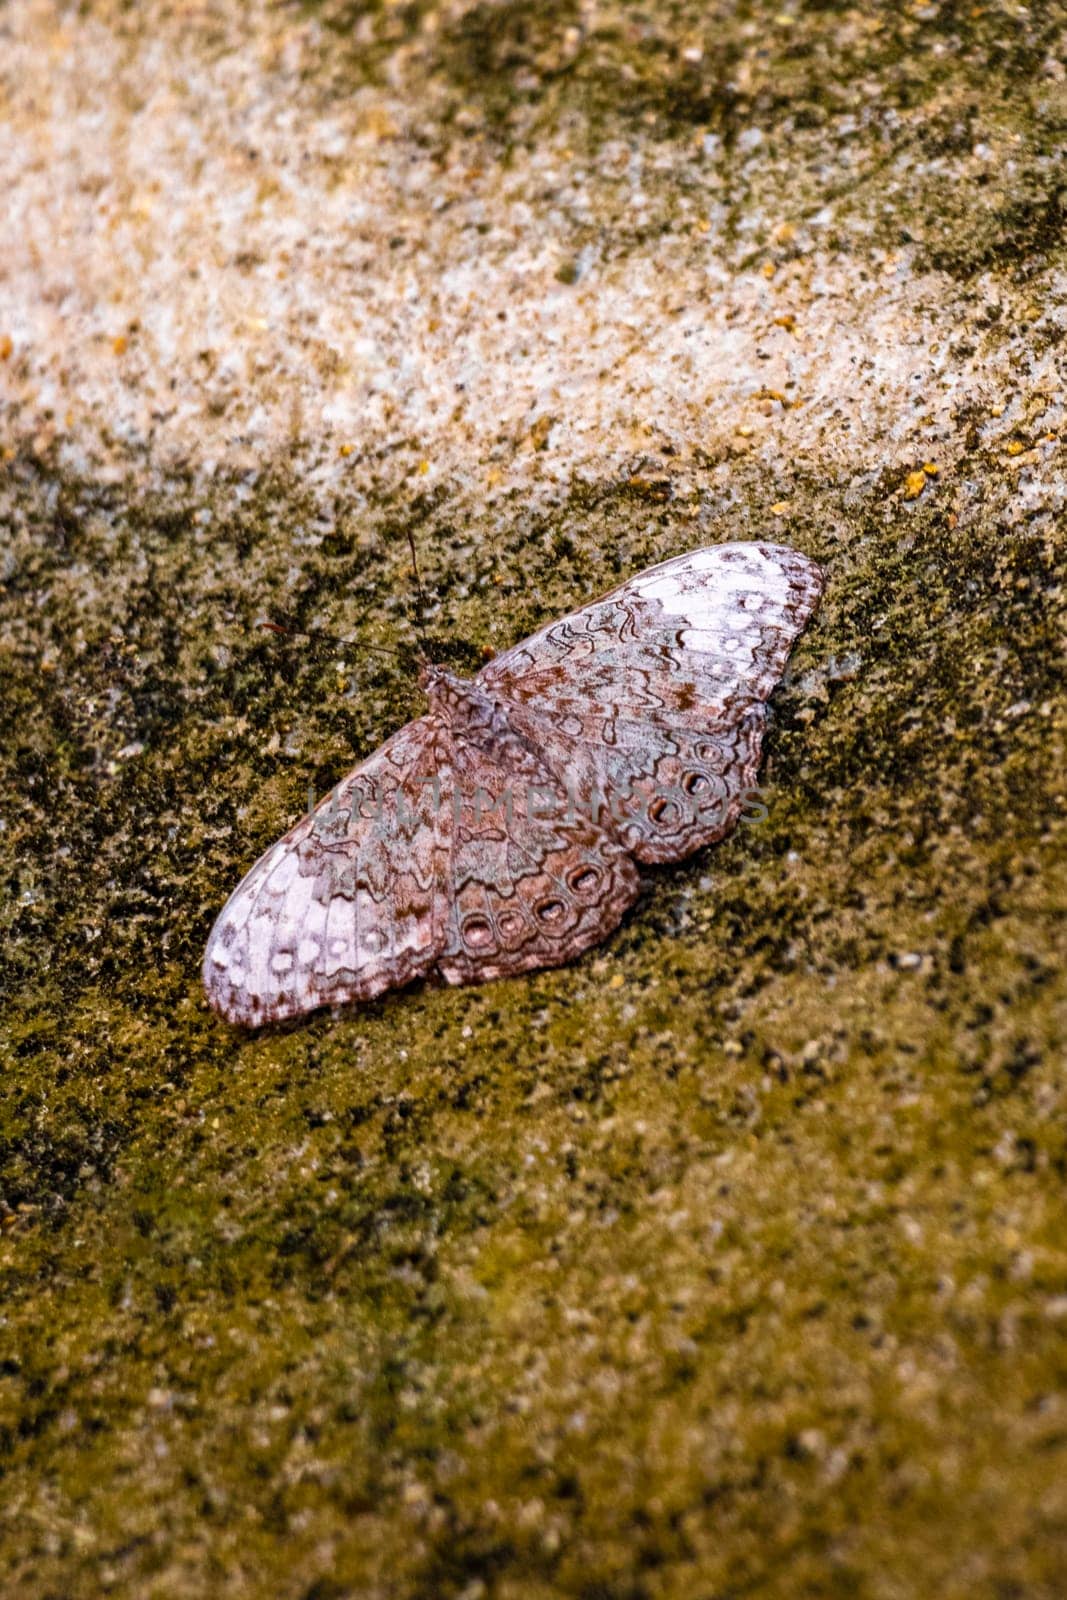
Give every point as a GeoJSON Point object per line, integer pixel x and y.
{"type": "Point", "coordinates": [497, 833]}
{"type": "Point", "coordinates": [351, 901]}
{"type": "Point", "coordinates": [653, 696]}
{"type": "Point", "coordinates": [535, 880]}
{"type": "Point", "coordinates": [453, 848]}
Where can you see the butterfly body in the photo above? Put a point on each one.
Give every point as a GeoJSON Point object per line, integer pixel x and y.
{"type": "Point", "coordinates": [499, 832]}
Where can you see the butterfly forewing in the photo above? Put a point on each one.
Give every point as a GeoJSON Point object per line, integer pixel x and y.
{"type": "Point", "coordinates": [653, 696]}
{"type": "Point", "coordinates": [354, 899]}
{"type": "Point", "coordinates": [690, 639]}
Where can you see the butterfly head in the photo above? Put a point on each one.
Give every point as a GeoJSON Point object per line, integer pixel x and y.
{"type": "Point", "coordinates": [449, 696]}
{"type": "Point", "coordinates": [434, 679]}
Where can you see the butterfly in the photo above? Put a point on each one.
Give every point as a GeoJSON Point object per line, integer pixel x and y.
{"type": "Point", "coordinates": [501, 831]}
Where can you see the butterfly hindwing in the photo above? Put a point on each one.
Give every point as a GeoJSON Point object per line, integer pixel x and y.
{"type": "Point", "coordinates": [534, 879]}
{"type": "Point", "coordinates": [664, 790]}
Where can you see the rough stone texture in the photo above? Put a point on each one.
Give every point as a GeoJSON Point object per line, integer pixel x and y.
{"type": "Point", "coordinates": [732, 1259]}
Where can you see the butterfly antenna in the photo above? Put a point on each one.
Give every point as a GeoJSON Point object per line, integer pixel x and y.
{"type": "Point", "coordinates": [420, 599]}
{"type": "Point", "coordinates": [326, 638]}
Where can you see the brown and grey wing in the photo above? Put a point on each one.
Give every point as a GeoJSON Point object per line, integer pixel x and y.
{"type": "Point", "coordinates": [352, 901]}
{"type": "Point", "coordinates": [533, 881]}
{"type": "Point", "coordinates": [693, 642]}
{"type": "Point", "coordinates": [664, 791]}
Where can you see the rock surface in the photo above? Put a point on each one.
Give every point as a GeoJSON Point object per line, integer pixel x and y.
{"type": "Point", "coordinates": [732, 1259]}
